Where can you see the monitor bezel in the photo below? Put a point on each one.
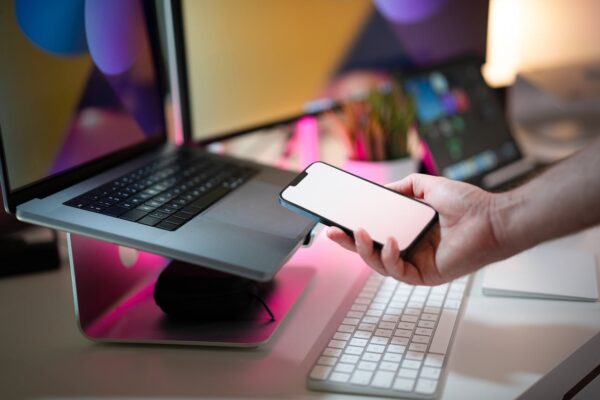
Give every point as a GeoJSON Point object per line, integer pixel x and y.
{"type": "Point", "coordinates": [12, 197]}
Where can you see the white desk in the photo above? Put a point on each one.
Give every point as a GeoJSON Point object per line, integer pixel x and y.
{"type": "Point", "coordinates": [503, 345]}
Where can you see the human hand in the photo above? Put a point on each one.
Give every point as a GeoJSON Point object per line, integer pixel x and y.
{"type": "Point", "coordinates": [462, 242]}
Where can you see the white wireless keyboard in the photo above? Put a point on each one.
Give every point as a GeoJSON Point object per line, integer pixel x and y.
{"type": "Point", "coordinates": [394, 340]}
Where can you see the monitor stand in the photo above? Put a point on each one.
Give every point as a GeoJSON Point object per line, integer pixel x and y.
{"type": "Point", "coordinates": [113, 289]}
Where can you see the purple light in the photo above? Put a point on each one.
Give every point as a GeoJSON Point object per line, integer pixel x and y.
{"type": "Point", "coordinates": [408, 11]}
{"type": "Point", "coordinates": [114, 33]}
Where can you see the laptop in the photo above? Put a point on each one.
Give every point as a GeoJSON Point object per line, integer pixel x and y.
{"type": "Point", "coordinates": [84, 147]}
{"type": "Point", "coordinates": [464, 127]}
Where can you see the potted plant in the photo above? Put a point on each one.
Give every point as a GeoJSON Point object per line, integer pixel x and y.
{"type": "Point", "coordinates": [378, 129]}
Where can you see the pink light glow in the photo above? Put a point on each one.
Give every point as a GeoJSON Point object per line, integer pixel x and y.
{"type": "Point", "coordinates": [428, 160]}
{"type": "Point", "coordinates": [307, 144]}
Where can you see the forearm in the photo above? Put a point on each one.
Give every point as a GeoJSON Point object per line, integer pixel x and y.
{"type": "Point", "coordinates": [563, 200]}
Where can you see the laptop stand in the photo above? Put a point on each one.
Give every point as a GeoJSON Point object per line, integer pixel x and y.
{"type": "Point", "coordinates": [113, 289]}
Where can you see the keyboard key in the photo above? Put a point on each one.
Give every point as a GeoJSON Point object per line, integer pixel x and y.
{"type": "Point", "coordinates": [428, 317]}
{"type": "Point", "coordinates": [79, 202]}
{"type": "Point", "coordinates": [405, 385]}
{"type": "Point", "coordinates": [342, 367]}
{"type": "Point", "coordinates": [351, 321]}
{"type": "Point", "coordinates": [133, 215]}
{"type": "Point", "coordinates": [361, 377]}
{"type": "Point", "coordinates": [346, 328]}
{"type": "Point", "coordinates": [114, 211]}
{"type": "Point", "coordinates": [387, 325]}
{"type": "Point", "coordinates": [379, 340]}
{"type": "Point", "coordinates": [424, 331]}
{"type": "Point", "coordinates": [414, 355]}
{"type": "Point", "coordinates": [434, 360]}
{"type": "Point", "coordinates": [354, 314]}
{"type": "Point", "coordinates": [403, 333]}
{"type": "Point", "coordinates": [420, 339]}
{"type": "Point", "coordinates": [400, 340]}
{"type": "Point", "coordinates": [337, 344]}
{"type": "Point", "coordinates": [339, 377]}
{"type": "Point", "coordinates": [342, 336]}
{"type": "Point", "coordinates": [367, 365]}
{"type": "Point", "coordinates": [383, 332]}
{"type": "Point", "coordinates": [324, 360]}
{"type": "Point", "coordinates": [383, 379]}
{"type": "Point", "coordinates": [406, 325]}
{"type": "Point", "coordinates": [332, 352]}
{"type": "Point", "coordinates": [426, 324]}
{"type": "Point", "coordinates": [371, 357]}
{"type": "Point", "coordinates": [354, 350]}
{"type": "Point", "coordinates": [395, 348]}
{"type": "Point", "coordinates": [426, 386]}
{"type": "Point", "coordinates": [417, 347]}
{"type": "Point", "coordinates": [168, 226]}
{"type": "Point", "coordinates": [320, 372]}
{"type": "Point", "coordinates": [150, 221]}
{"type": "Point", "coordinates": [209, 199]}
{"type": "Point", "coordinates": [408, 373]}
{"type": "Point", "coordinates": [358, 342]}
{"type": "Point", "coordinates": [375, 348]}
{"type": "Point", "coordinates": [430, 372]}
{"type": "Point", "coordinates": [366, 327]}
{"type": "Point", "coordinates": [389, 366]}
{"type": "Point", "coordinates": [443, 333]}
{"type": "Point", "coordinates": [362, 334]}
{"type": "Point", "coordinates": [414, 364]}
{"type": "Point", "coordinates": [349, 358]}
{"type": "Point", "coordinates": [395, 357]}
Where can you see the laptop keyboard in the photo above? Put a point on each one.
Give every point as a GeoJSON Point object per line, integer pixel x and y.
{"type": "Point", "coordinates": [168, 192]}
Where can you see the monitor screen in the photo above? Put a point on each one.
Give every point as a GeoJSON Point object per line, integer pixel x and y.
{"type": "Point", "coordinates": [461, 121]}
{"type": "Point", "coordinates": [252, 63]}
{"type": "Point", "coordinates": [77, 82]}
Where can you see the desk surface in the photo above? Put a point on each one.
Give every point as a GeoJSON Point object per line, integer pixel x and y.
{"type": "Point", "coordinates": [503, 345]}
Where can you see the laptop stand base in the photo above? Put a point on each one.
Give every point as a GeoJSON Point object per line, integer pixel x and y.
{"type": "Point", "coordinates": [113, 289]}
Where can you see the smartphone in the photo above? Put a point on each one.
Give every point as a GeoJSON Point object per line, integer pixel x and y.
{"type": "Point", "coordinates": [337, 198]}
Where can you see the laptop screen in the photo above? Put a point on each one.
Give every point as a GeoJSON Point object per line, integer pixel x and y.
{"type": "Point", "coordinates": [77, 82]}
{"type": "Point", "coordinates": [461, 121]}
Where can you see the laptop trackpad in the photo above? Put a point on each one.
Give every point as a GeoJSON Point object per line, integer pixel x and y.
{"type": "Point", "coordinates": [255, 206]}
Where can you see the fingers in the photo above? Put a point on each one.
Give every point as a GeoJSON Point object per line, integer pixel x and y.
{"type": "Point", "coordinates": [340, 237]}
{"type": "Point", "coordinates": [386, 262]}
{"type": "Point", "coordinates": [365, 248]}
{"type": "Point", "coordinates": [397, 267]}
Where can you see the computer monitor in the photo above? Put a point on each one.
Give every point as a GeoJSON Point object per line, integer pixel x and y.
{"type": "Point", "coordinates": [244, 65]}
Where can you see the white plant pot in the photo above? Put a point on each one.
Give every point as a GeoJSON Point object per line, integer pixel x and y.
{"type": "Point", "coordinates": [382, 172]}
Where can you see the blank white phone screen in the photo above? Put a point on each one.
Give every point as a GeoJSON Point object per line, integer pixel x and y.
{"type": "Point", "coordinates": [355, 203]}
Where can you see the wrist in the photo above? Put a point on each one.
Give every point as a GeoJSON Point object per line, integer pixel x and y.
{"type": "Point", "coordinates": [504, 212]}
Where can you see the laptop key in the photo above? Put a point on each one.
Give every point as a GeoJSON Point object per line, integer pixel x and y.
{"type": "Point", "coordinates": [78, 202]}
{"type": "Point", "coordinates": [151, 221]}
{"type": "Point", "coordinates": [114, 211]}
{"type": "Point", "coordinates": [133, 215]}
{"type": "Point", "coordinates": [168, 226]}
{"type": "Point", "coordinates": [211, 197]}
{"type": "Point", "coordinates": [159, 215]}
{"type": "Point", "coordinates": [176, 220]}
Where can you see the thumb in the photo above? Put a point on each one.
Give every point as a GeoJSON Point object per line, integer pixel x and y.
{"type": "Point", "coordinates": [414, 185]}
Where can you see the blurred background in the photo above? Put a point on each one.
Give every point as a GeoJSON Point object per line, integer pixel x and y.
{"type": "Point", "coordinates": [268, 62]}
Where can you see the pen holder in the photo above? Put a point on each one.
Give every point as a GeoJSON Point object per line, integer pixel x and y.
{"type": "Point", "coordinates": [378, 126]}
